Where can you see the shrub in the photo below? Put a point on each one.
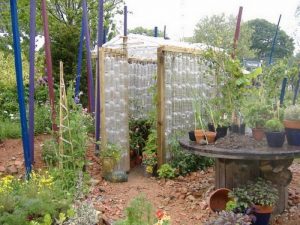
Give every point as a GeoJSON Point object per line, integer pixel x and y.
{"type": "Point", "coordinates": [166, 171]}
{"type": "Point", "coordinates": [292, 112]}
{"type": "Point", "coordinates": [274, 125]}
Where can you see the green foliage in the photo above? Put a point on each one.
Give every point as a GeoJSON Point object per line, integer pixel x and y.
{"type": "Point", "coordinates": [139, 212]}
{"type": "Point", "coordinates": [262, 39]}
{"type": "Point", "coordinates": [9, 129]}
{"type": "Point", "coordinates": [186, 162]}
{"type": "Point", "coordinates": [145, 31]}
{"type": "Point", "coordinates": [231, 218]}
{"type": "Point", "coordinates": [42, 119]}
{"type": "Point", "coordinates": [274, 125]}
{"type": "Point", "coordinates": [292, 112]}
{"type": "Point", "coordinates": [218, 31]}
{"type": "Point", "coordinates": [257, 114]}
{"type": "Point", "coordinates": [22, 202]}
{"type": "Point", "coordinates": [261, 192]}
{"type": "Point", "coordinates": [149, 154]}
{"type": "Point", "coordinates": [138, 131]}
{"type": "Point", "coordinates": [166, 171]}
{"type": "Point", "coordinates": [111, 151]}
{"type": "Point", "coordinates": [231, 205]}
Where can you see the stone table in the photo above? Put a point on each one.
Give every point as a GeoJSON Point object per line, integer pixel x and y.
{"type": "Point", "coordinates": [234, 167]}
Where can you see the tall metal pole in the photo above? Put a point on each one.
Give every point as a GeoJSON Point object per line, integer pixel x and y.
{"type": "Point", "coordinates": [237, 31]}
{"type": "Point", "coordinates": [100, 42]}
{"type": "Point", "coordinates": [49, 64]}
{"type": "Point", "coordinates": [20, 88]}
{"type": "Point", "coordinates": [274, 41]}
{"type": "Point", "coordinates": [89, 58]}
{"type": "Point", "coordinates": [31, 77]}
{"type": "Point", "coordinates": [125, 20]}
{"type": "Point", "coordinates": [155, 32]}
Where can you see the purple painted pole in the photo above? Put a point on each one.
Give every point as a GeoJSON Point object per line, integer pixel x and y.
{"type": "Point", "coordinates": [31, 77]}
{"type": "Point", "coordinates": [100, 42]}
{"type": "Point", "coordinates": [125, 20]}
{"type": "Point", "coordinates": [89, 58]}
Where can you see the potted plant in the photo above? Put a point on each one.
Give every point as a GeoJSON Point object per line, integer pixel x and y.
{"type": "Point", "coordinates": [292, 124]}
{"type": "Point", "coordinates": [227, 217]}
{"type": "Point", "coordinates": [274, 133]}
{"type": "Point", "coordinates": [256, 116]}
{"type": "Point", "coordinates": [264, 197]}
{"type": "Point", "coordinates": [110, 155]}
{"type": "Point", "coordinates": [199, 130]}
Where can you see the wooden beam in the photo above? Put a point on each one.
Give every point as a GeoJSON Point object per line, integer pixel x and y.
{"type": "Point", "coordinates": [142, 61]}
{"type": "Point", "coordinates": [169, 48]}
{"type": "Point", "coordinates": [103, 134]}
{"type": "Point", "coordinates": [161, 106]}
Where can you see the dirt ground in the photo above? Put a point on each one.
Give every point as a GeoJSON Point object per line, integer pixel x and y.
{"type": "Point", "coordinates": [184, 199]}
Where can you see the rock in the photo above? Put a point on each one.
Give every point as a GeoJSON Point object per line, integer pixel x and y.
{"type": "Point", "coordinates": [170, 183]}
{"type": "Point", "coordinates": [13, 158]}
{"type": "Point", "coordinates": [191, 198]}
{"type": "Point", "coordinates": [203, 205]}
{"type": "Point", "coordinates": [18, 163]}
{"type": "Point", "coordinates": [2, 169]}
{"type": "Point", "coordinates": [293, 209]}
{"type": "Point", "coordinates": [183, 190]}
{"type": "Point", "coordinates": [94, 182]}
{"type": "Point", "coordinates": [12, 170]}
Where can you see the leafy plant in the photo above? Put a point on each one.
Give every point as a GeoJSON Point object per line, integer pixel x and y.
{"type": "Point", "coordinates": [230, 218]}
{"type": "Point", "coordinates": [241, 197]}
{"type": "Point", "coordinates": [257, 114]}
{"type": "Point", "coordinates": [139, 212]}
{"type": "Point", "coordinates": [292, 112]}
{"type": "Point", "coordinates": [111, 151]}
{"type": "Point", "coordinates": [274, 125]}
{"type": "Point", "coordinates": [149, 154]}
{"type": "Point", "coordinates": [166, 171]}
{"type": "Point", "coordinates": [231, 205]}
{"type": "Point", "coordinates": [263, 192]}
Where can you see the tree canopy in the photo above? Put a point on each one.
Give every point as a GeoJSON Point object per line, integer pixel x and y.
{"type": "Point", "coordinates": [218, 31]}
{"type": "Point", "coordinates": [145, 31]}
{"type": "Point", "coordinates": [262, 39]}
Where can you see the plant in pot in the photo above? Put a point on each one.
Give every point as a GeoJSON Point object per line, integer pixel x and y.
{"type": "Point", "coordinates": [199, 130]}
{"type": "Point", "coordinates": [292, 124]}
{"type": "Point", "coordinates": [264, 196]}
{"type": "Point", "coordinates": [211, 134]}
{"type": "Point", "coordinates": [256, 116]}
{"type": "Point", "coordinates": [275, 134]}
{"type": "Point", "coordinates": [110, 156]}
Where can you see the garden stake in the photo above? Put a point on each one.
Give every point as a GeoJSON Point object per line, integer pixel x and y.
{"type": "Point", "coordinates": [89, 58]}
{"type": "Point", "coordinates": [155, 32]}
{"type": "Point", "coordinates": [79, 64]}
{"type": "Point", "coordinates": [297, 87]}
{"type": "Point", "coordinates": [20, 88]}
{"type": "Point", "coordinates": [31, 77]}
{"type": "Point", "coordinates": [274, 41]}
{"type": "Point", "coordinates": [237, 31]}
{"type": "Point", "coordinates": [49, 65]}
{"type": "Point", "coordinates": [100, 42]}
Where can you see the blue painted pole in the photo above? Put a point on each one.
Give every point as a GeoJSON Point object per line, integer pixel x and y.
{"type": "Point", "coordinates": [125, 20]}
{"type": "Point", "coordinates": [31, 76]}
{"type": "Point", "coordinates": [282, 93]}
{"type": "Point", "coordinates": [100, 43]}
{"type": "Point", "coordinates": [91, 91]}
{"type": "Point", "coordinates": [297, 87]}
{"type": "Point", "coordinates": [155, 32]}
{"type": "Point", "coordinates": [20, 88]}
{"type": "Point", "coordinates": [79, 63]}
{"type": "Point", "coordinates": [274, 41]}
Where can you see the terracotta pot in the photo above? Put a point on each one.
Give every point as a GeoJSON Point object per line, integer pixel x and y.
{"type": "Point", "coordinates": [263, 209]}
{"type": "Point", "coordinates": [211, 136]}
{"type": "Point", "coordinates": [292, 124]}
{"type": "Point", "coordinates": [199, 135]}
{"type": "Point", "coordinates": [218, 199]}
{"type": "Point", "coordinates": [258, 133]}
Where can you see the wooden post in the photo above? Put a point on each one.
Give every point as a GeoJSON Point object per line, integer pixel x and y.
{"type": "Point", "coordinates": [160, 106]}
{"type": "Point", "coordinates": [102, 98]}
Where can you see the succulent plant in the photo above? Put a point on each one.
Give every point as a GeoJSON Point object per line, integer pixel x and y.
{"type": "Point", "coordinates": [274, 125]}
{"type": "Point", "coordinates": [230, 218]}
{"type": "Point", "coordinates": [292, 112]}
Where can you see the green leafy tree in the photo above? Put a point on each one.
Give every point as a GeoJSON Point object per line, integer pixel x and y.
{"type": "Point", "coordinates": [218, 31]}
{"type": "Point", "coordinates": [145, 31]}
{"type": "Point", "coordinates": [262, 39]}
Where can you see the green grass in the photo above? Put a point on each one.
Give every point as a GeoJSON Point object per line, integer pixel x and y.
{"type": "Point", "coordinates": [9, 129]}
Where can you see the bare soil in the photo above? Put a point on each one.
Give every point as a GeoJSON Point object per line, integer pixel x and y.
{"type": "Point", "coordinates": [184, 198]}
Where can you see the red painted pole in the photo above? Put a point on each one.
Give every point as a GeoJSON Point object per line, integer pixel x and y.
{"type": "Point", "coordinates": [237, 31]}
{"type": "Point", "coordinates": [49, 64]}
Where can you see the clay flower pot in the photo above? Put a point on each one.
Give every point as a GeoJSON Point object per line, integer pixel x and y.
{"type": "Point", "coordinates": [210, 136]}
{"type": "Point", "coordinates": [258, 133]}
{"type": "Point", "coordinates": [292, 124]}
{"type": "Point", "coordinates": [218, 199]}
{"type": "Point", "coordinates": [199, 135]}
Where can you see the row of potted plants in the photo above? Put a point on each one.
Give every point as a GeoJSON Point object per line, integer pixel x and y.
{"type": "Point", "coordinates": [252, 203]}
